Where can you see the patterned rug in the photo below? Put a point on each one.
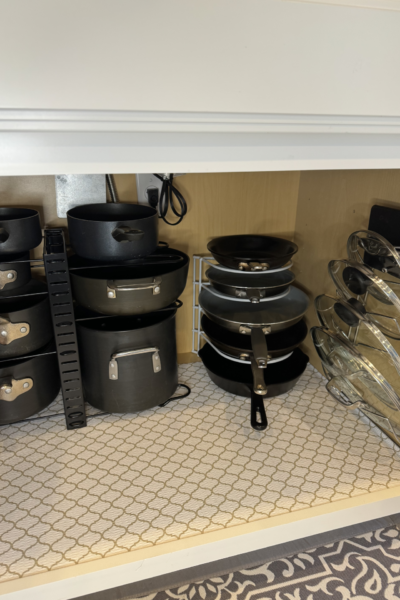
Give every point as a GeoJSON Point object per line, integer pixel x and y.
{"type": "Point", "coordinates": [366, 567]}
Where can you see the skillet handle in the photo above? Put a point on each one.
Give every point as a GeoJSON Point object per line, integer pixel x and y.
{"type": "Point", "coordinates": [259, 347]}
{"type": "Point", "coordinates": [126, 234]}
{"type": "Point", "coordinates": [258, 416]}
{"type": "Point", "coordinates": [259, 387]}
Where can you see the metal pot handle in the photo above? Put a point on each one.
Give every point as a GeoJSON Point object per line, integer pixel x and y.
{"type": "Point", "coordinates": [8, 276]}
{"type": "Point", "coordinates": [12, 331]}
{"type": "Point", "coordinates": [254, 266]}
{"type": "Point", "coordinates": [112, 288]}
{"type": "Point", "coordinates": [10, 389]}
{"type": "Point", "coordinates": [258, 416]}
{"type": "Point", "coordinates": [4, 235]}
{"type": "Point", "coordinates": [126, 234]}
{"type": "Point", "coordinates": [113, 364]}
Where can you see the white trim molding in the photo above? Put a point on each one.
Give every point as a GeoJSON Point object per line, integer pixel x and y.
{"type": "Point", "coordinates": [40, 142]}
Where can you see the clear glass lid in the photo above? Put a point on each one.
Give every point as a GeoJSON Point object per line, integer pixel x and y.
{"type": "Point", "coordinates": [356, 381]}
{"type": "Point", "coordinates": [380, 302]}
{"type": "Point", "coordinates": [348, 318]}
{"type": "Point", "coordinates": [372, 249]}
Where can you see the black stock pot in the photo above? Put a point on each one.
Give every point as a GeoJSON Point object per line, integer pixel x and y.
{"type": "Point", "coordinates": [128, 364]}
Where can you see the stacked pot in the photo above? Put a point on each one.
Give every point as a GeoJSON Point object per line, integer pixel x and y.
{"type": "Point", "coordinates": [128, 285]}
{"type": "Point", "coordinates": [253, 319]}
{"type": "Point", "coordinates": [29, 375]}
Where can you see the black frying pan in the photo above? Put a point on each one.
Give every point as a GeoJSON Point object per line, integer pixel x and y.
{"type": "Point", "coordinates": [238, 379]}
{"type": "Point", "coordinates": [252, 287]}
{"type": "Point", "coordinates": [239, 345]}
{"type": "Point", "coordinates": [251, 252]}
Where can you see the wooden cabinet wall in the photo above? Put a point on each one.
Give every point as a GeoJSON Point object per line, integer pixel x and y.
{"type": "Point", "coordinates": [318, 209]}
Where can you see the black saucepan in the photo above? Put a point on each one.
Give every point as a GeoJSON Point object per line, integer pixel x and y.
{"type": "Point", "coordinates": [237, 379]}
{"type": "Point", "coordinates": [113, 232]}
{"type": "Point", "coordinates": [131, 290]}
{"type": "Point", "coordinates": [128, 364]}
{"type": "Point", "coordinates": [15, 271]}
{"type": "Point", "coordinates": [20, 230]}
{"type": "Point", "coordinates": [256, 320]}
{"type": "Point", "coordinates": [25, 321]}
{"type": "Point", "coordinates": [251, 252]}
{"type": "Point", "coordinates": [239, 346]}
{"type": "Point", "coordinates": [27, 386]}
{"type": "Point", "coordinates": [250, 286]}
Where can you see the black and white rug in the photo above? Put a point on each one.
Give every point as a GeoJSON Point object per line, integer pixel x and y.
{"type": "Point", "coordinates": [366, 567]}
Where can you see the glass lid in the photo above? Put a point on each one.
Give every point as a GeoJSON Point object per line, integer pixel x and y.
{"type": "Point", "coordinates": [348, 318]}
{"type": "Point", "coordinates": [341, 360]}
{"type": "Point", "coordinates": [381, 303]}
{"type": "Point", "coordinates": [372, 249]}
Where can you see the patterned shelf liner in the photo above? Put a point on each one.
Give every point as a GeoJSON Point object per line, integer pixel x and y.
{"type": "Point", "coordinates": [131, 481]}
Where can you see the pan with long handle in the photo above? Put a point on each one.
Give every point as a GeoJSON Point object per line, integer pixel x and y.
{"type": "Point", "coordinates": [237, 379]}
{"type": "Point", "coordinates": [256, 320]}
{"type": "Point", "coordinates": [252, 287]}
{"type": "Point", "coordinates": [251, 252]}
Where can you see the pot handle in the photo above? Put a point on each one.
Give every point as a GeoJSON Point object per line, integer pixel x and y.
{"type": "Point", "coordinates": [126, 234]}
{"type": "Point", "coordinates": [258, 416]}
{"type": "Point", "coordinates": [7, 277]}
{"type": "Point", "coordinates": [112, 288]}
{"type": "Point", "coordinates": [4, 235]}
{"type": "Point", "coordinates": [113, 364]}
{"type": "Point", "coordinates": [259, 347]}
{"type": "Point", "coordinates": [12, 331]}
{"type": "Point", "coordinates": [10, 389]}
{"type": "Point", "coordinates": [259, 387]}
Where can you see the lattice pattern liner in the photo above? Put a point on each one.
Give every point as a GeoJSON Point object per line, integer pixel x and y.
{"type": "Point", "coordinates": [126, 482]}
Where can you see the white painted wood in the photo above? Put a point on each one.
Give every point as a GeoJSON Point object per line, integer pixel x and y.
{"type": "Point", "coordinates": [252, 56]}
{"type": "Point", "coordinates": [71, 582]}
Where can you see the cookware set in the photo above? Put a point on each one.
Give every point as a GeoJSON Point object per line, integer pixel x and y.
{"type": "Point", "coordinates": [29, 376]}
{"type": "Point", "coordinates": [359, 333]}
{"type": "Point", "coordinates": [253, 319]}
{"type": "Point", "coordinates": [129, 286]}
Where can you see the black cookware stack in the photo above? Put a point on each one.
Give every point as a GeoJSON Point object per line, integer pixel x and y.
{"type": "Point", "coordinates": [126, 288]}
{"type": "Point", "coordinates": [253, 320]}
{"type": "Point", "coordinates": [29, 375]}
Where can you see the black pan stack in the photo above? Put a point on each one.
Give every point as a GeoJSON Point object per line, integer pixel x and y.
{"type": "Point", "coordinates": [126, 288]}
{"type": "Point", "coordinates": [29, 375]}
{"type": "Point", "coordinates": [253, 320]}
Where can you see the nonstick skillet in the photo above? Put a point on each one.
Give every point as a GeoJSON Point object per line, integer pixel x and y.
{"type": "Point", "coordinates": [237, 379]}
{"type": "Point", "coordinates": [250, 287]}
{"type": "Point", "coordinates": [251, 252]}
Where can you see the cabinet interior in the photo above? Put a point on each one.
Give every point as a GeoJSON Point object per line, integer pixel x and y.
{"type": "Point", "coordinates": [316, 209]}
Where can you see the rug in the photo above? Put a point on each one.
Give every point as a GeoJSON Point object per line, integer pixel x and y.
{"type": "Point", "coordinates": [366, 567]}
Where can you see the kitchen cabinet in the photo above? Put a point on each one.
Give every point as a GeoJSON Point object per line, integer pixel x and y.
{"type": "Point", "coordinates": [284, 117]}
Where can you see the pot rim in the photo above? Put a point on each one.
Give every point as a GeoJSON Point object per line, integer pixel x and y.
{"type": "Point", "coordinates": [70, 213]}
{"type": "Point", "coordinates": [33, 214]}
{"type": "Point", "coordinates": [119, 331]}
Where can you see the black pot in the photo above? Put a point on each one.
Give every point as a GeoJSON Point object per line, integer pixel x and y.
{"type": "Point", "coordinates": [27, 386]}
{"type": "Point", "coordinates": [113, 232]}
{"type": "Point", "coordinates": [25, 321]}
{"type": "Point", "coordinates": [14, 274]}
{"type": "Point", "coordinates": [131, 290]}
{"type": "Point", "coordinates": [128, 364]}
{"type": "Point", "coordinates": [20, 230]}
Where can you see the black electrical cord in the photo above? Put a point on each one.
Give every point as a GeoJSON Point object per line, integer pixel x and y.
{"type": "Point", "coordinates": [111, 188]}
{"type": "Point", "coordinates": [166, 202]}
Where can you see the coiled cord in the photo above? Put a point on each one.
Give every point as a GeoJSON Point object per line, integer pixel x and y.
{"type": "Point", "coordinates": [166, 202]}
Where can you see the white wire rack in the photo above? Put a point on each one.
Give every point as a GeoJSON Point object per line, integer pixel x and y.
{"type": "Point", "coordinates": [200, 264]}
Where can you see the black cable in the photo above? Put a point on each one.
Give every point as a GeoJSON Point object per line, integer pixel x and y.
{"type": "Point", "coordinates": [166, 202]}
{"type": "Point", "coordinates": [188, 390]}
{"type": "Point", "coordinates": [111, 188]}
